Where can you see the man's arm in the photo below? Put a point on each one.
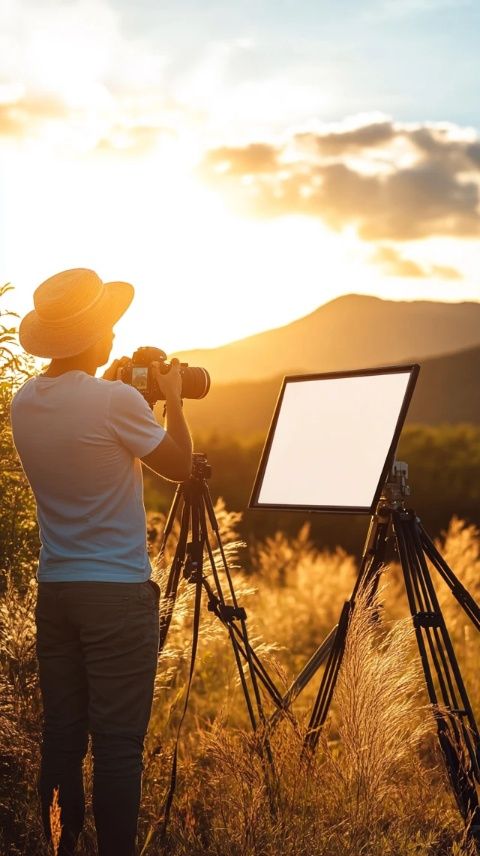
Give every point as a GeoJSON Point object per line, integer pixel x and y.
{"type": "Point", "coordinates": [172, 458]}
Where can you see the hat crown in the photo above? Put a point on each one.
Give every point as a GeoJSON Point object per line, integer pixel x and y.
{"type": "Point", "coordinates": [67, 294]}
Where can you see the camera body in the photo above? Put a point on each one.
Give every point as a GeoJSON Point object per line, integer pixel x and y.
{"type": "Point", "coordinates": [138, 372]}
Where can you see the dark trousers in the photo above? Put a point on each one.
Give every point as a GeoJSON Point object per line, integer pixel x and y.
{"type": "Point", "coordinates": [97, 649]}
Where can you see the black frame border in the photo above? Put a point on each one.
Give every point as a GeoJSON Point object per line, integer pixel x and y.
{"type": "Point", "coordinates": [414, 370]}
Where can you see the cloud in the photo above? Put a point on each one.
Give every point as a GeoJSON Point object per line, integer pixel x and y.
{"type": "Point", "coordinates": [340, 142]}
{"type": "Point", "coordinates": [393, 263]}
{"type": "Point", "coordinates": [123, 129]}
{"type": "Point", "coordinates": [254, 159]}
{"type": "Point", "coordinates": [113, 77]}
{"type": "Point", "coordinates": [21, 113]}
{"type": "Point", "coordinates": [70, 64]}
{"type": "Point", "coordinates": [446, 272]}
{"type": "Point", "coordinates": [135, 140]}
{"type": "Point", "coordinates": [389, 181]}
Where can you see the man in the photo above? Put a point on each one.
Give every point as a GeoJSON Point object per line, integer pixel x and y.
{"type": "Point", "coordinates": [81, 440]}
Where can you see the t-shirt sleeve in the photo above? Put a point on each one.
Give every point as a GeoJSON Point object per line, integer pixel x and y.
{"type": "Point", "coordinates": [132, 422]}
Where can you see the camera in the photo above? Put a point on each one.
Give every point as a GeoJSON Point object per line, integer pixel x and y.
{"type": "Point", "coordinates": [139, 374]}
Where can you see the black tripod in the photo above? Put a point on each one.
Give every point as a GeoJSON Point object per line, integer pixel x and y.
{"type": "Point", "coordinates": [194, 500]}
{"type": "Point", "coordinates": [193, 496]}
{"type": "Point", "coordinates": [457, 730]}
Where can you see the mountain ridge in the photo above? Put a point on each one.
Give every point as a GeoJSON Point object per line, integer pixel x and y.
{"type": "Point", "coordinates": [350, 331]}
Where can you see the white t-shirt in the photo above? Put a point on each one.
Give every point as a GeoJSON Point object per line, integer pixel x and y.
{"type": "Point", "coordinates": [79, 439]}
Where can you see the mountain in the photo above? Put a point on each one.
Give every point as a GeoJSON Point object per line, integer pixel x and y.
{"type": "Point", "coordinates": [353, 331]}
{"type": "Point", "coordinates": [448, 390]}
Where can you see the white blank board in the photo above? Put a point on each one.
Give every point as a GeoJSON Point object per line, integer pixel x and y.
{"type": "Point", "coordinates": [330, 441]}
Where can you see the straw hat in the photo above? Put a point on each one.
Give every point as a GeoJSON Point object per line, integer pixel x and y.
{"type": "Point", "coordinates": [73, 310]}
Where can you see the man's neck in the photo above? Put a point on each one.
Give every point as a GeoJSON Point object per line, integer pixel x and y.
{"type": "Point", "coordinates": [70, 364]}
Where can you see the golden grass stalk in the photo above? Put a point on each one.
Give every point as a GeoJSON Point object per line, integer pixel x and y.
{"type": "Point", "coordinates": [55, 822]}
{"type": "Point", "coordinates": [382, 719]}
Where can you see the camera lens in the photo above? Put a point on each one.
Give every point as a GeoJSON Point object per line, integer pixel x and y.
{"type": "Point", "coordinates": [195, 382]}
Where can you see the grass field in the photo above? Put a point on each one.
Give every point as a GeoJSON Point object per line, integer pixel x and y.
{"type": "Point", "coordinates": [376, 783]}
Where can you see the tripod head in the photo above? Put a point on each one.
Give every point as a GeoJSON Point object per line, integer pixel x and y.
{"type": "Point", "coordinates": [396, 488]}
{"type": "Point", "coordinates": [201, 469]}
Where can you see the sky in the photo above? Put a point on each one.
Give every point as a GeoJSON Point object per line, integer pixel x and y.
{"type": "Point", "coordinates": [240, 163]}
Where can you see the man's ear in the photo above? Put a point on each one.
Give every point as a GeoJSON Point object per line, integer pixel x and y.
{"type": "Point", "coordinates": [101, 350]}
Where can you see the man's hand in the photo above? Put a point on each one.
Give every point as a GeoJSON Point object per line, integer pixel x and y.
{"type": "Point", "coordinates": [173, 456]}
{"type": "Point", "coordinates": [114, 371]}
{"type": "Point", "coordinates": [170, 383]}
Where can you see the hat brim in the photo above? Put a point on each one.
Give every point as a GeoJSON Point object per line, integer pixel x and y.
{"type": "Point", "coordinates": [44, 340]}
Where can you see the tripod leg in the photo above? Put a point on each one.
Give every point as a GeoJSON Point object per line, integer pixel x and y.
{"type": "Point", "coordinates": [425, 616]}
{"type": "Point", "coordinates": [460, 593]}
{"type": "Point", "coordinates": [244, 633]}
{"type": "Point", "coordinates": [270, 774]}
{"type": "Point", "coordinates": [175, 570]}
{"type": "Point", "coordinates": [429, 616]}
{"type": "Point", "coordinates": [173, 775]}
{"type": "Point", "coordinates": [454, 734]}
{"type": "Point", "coordinates": [215, 605]}
{"type": "Point", "coordinates": [368, 575]}
{"type": "Point", "coordinates": [309, 670]}
{"type": "Point", "coordinates": [329, 681]}
{"type": "Point", "coordinates": [171, 517]}
{"type": "Point", "coordinates": [467, 711]}
{"type": "Point", "coordinates": [375, 543]}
